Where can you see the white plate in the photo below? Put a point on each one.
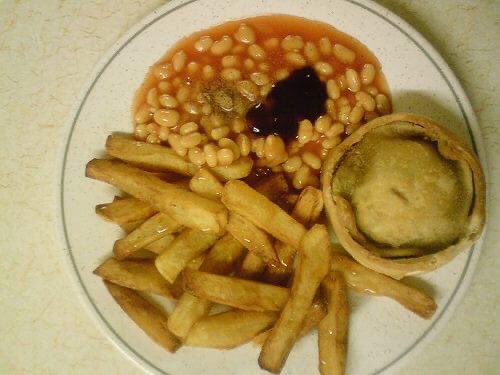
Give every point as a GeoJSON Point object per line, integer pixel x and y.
{"type": "Point", "coordinates": [382, 334]}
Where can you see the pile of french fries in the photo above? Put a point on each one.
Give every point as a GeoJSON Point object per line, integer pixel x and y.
{"type": "Point", "coordinates": [205, 238]}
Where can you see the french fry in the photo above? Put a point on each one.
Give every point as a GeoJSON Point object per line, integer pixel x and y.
{"type": "Point", "coordinates": [206, 184]}
{"type": "Point", "coordinates": [161, 244]}
{"type": "Point", "coordinates": [125, 210]}
{"type": "Point", "coordinates": [130, 226]}
{"type": "Point", "coordinates": [254, 239]}
{"type": "Point", "coordinates": [160, 158]}
{"type": "Point", "coordinates": [188, 245]}
{"type": "Point", "coordinates": [365, 280]}
{"type": "Point", "coordinates": [229, 329]}
{"type": "Point", "coordinates": [151, 230]}
{"type": "Point", "coordinates": [155, 157]}
{"type": "Point", "coordinates": [240, 168]}
{"type": "Point", "coordinates": [307, 209]}
{"type": "Point", "coordinates": [313, 317]}
{"type": "Point", "coordinates": [137, 275]}
{"type": "Point", "coordinates": [187, 208]}
{"type": "Point", "coordinates": [189, 309]}
{"type": "Point", "coordinates": [332, 331]}
{"type": "Point", "coordinates": [239, 293]}
{"type": "Point", "coordinates": [313, 266]}
{"type": "Point", "coordinates": [148, 317]}
{"type": "Point", "coordinates": [178, 287]}
{"type": "Point", "coordinates": [252, 267]}
{"type": "Point", "coordinates": [245, 201]}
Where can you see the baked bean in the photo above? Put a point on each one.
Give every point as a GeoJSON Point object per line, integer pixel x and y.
{"type": "Point", "coordinates": [248, 89]}
{"type": "Point", "coordinates": [168, 101]}
{"type": "Point", "coordinates": [230, 144]}
{"type": "Point", "coordinates": [203, 44]}
{"type": "Point", "coordinates": [343, 113]}
{"type": "Point", "coordinates": [183, 94]}
{"type": "Point", "coordinates": [217, 120]}
{"type": "Point", "coordinates": [141, 131]}
{"type": "Point", "coordinates": [177, 82]}
{"type": "Point", "coordinates": [208, 72]}
{"type": "Point", "coordinates": [323, 68]}
{"type": "Point", "coordinates": [343, 101]}
{"type": "Point", "coordinates": [323, 153]}
{"type": "Point", "coordinates": [238, 125]}
{"type": "Point", "coordinates": [164, 133]}
{"type": "Point", "coordinates": [352, 80]}
{"type": "Point", "coordinates": [300, 177]}
{"type": "Point", "coordinates": [311, 52]}
{"type": "Point", "coordinates": [196, 156]}
{"type": "Point", "coordinates": [277, 169]}
{"type": "Point", "coordinates": [191, 108]}
{"type": "Point", "coordinates": [295, 59]}
{"type": "Point", "coordinates": [281, 74]}
{"type": "Point", "coordinates": [322, 124]}
{"type": "Point", "coordinates": [335, 130]}
{"type": "Point", "coordinates": [366, 101]}
{"type": "Point", "coordinates": [343, 54]}
{"type": "Point", "coordinates": [264, 67]}
{"type": "Point", "coordinates": [356, 114]}
{"type": "Point", "coordinates": [193, 68]}
{"type": "Point", "coordinates": [367, 74]}
{"type": "Point", "coordinates": [372, 90]}
{"type": "Point", "coordinates": [383, 104]}
{"type": "Point", "coordinates": [153, 128]}
{"type": "Point", "coordinates": [325, 46]}
{"type": "Point", "coordinates": [313, 180]}
{"type": "Point", "coordinates": [260, 78]}
{"type": "Point", "coordinates": [274, 150]}
{"type": "Point", "coordinates": [163, 71]}
{"type": "Point", "coordinates": [167, 117]}
{"type": "Point", "coordinates": [219, 132]}
{"type": "Point", "coordinates": [292, 164]}
{"type": "Point", "coordinates": [225, 156]}
{"type": "Point", "coordinates": [230, 74]}
{"type": "Point", "coordinates": [315, 136]}
{"type": "Point", "coordinates": [164, 87]}
{"type": "Point", "coordinates": [190, 140]}
{"type": "Point", "coordinates": [153, 138]}
{"type": "Point", "coordinates": [245, 34]}
{"type": "Point", "coordinates": [329, 143]}
{"type": "Point", "coordinates": [271, 43]}
{"type": "Point", "coordinates": [256, 52]}
{"type": "Point", "coordinates": [244, 144]}
{"type": "Point", "coordinates": [152, 98]}
{"type": "Point", "coordinates": [179, 61]}
{"type": "Point", "coordinates": [341, 82]}
{"type": "Point", "coordinates": [258, 147]}
{"type": "Point", "coordinates": [305, 132]}
{"type": "Point", "coordinates": [311, 160]}
{"type": "Point", "coordinates": [332, 89]}
{"type": "Point", "coordinates": [143, 114]}
{"type": "Point", "coordinates": [188, 127]}
{"type": "Point", "coordinates": [292, 43]}
{"type": "Point", "coordinates": [331, 108]}
{"type": "Point", "coordinates": [222, 46]}
{"type": "Point", "coordinates": [238, 49]}
{"type": "Point", "coordinates": [210, 151]}
{"type": "Point", "coordinates": [293, 147]}
{"type": "Point", "coordinates": [206, 109]}
{"type": "Point", "coordinates": [249, 64]}
{"type": "Point", "coordinates": [230, 61]}
{"type": "Point", "coordinates": [175, 142]}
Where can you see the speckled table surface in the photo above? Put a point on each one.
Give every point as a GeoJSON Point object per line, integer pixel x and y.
{"type": "Point", "coordinates": [47, 51]}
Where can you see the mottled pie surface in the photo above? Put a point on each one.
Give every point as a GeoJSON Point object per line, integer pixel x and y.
{"type": "Point", "coordinates": [403, 191]}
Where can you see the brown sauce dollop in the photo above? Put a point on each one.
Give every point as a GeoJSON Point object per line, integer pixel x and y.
{"type": "Point", "coordinates": [300, 96]}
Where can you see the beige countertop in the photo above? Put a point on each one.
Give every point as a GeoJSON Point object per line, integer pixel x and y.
{"type": "Point", "coordinates": [47, 51]}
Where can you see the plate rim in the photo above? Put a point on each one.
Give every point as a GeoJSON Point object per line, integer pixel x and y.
{"type": "Point", "coordinates": [468, 116]}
